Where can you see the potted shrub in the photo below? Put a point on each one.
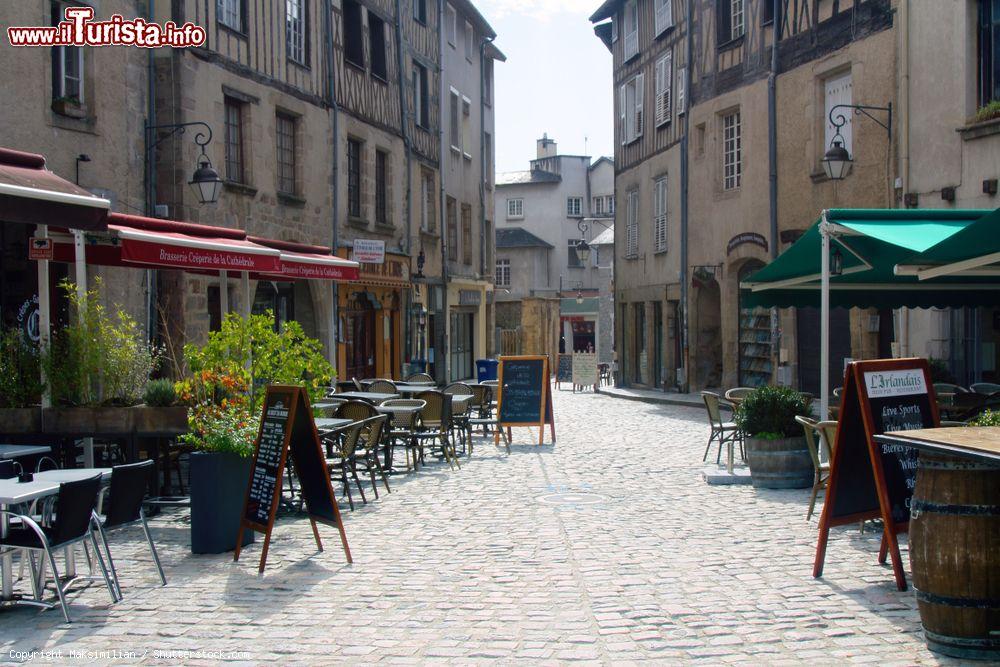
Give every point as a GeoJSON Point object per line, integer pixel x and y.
{"type": "Point", "coordinates": [223, 437]}
{"type": "Point", "coordinates": [775, 444]}
{"type": "Point", "coordinates": [20, 385]}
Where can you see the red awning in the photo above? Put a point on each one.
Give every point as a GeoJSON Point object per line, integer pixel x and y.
{"type": "Point", "coordinates": [30, 194]}
{"type": "Point", "coordinates": [308, 262]}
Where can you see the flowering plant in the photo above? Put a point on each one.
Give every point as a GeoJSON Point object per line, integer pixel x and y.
{"type": "Point", "coordinates": [229, 428]}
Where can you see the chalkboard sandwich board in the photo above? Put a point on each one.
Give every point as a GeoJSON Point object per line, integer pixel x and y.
{"type": "Point", "coordinates": [287, 425]}
{"type": "Point", "coordinates": [868, 479]}
{"type": "Point", "coordinates": [523, 395]}
{"type": "Point", "coordinates": [564, 371]}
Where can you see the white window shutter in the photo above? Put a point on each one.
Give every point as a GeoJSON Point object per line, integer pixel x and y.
{"type": "Point", "coordinates": [658, 92]}
{"type": "Point", "coordinates": [639, 95]}
{"type": "Point", "coordinates": [682, 74]}
{"type": "Point", "coordinates": [668, 80]}
{"type": "Point", "coordinates": [622, 125]}
{"type": "Point", "coordinates": [664, 15]}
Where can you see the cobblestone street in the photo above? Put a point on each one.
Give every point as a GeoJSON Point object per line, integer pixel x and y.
{"type": "Point", "coordinates": [607, 547]}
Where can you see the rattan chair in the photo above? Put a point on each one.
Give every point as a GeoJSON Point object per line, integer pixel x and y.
{"type": "Point", "coordinates": [725, 433]}
{"type": "Point", "coordinates": [402, 426]}
{"type": "Point", "coordinates": [420, 377]}
{"type": "Point", "coordinates": [484, 412]}
{"type": "Point", "coordinates": [737, 394]}
{"type": "Point", "coordinates": [383, 387]}
{"type": "Point", "coordinates": [356, 410]}
{"type": "Point", "coordinates": [815, 439]}
{"type": "Point", "coordinates": [341, 448]}
{"type": "Point", "coordinates": [369, 442]}
{"type": "Point", "coordinates": [460, 420]}
{"type": "Point", "coordinates": [435, 425]}
{"type": "Point", "coordinates": [986, 388]}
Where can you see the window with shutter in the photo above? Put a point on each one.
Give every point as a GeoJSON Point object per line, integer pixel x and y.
{"type": "Point", "coordinates": [682, 76]}
{"type": "Point", "coordinates": [622, 114]}
{"type": "Point", "coordinates": [988, 55]}
{"type": "Point", "coordinates": [723, 23]}
{"type": "Point", "coordinates": [640, 92]}
{"type": "Point", "coordinates": [660, 215]}
{"type": "Point", "coordinates": [631, 30]}
{"type": "Point", "coordinates": [664, 78]}
{"type": "Point", "coordinates": [664, 16]}
{"type": "Point", "coordinates": [838, 91]}
{"type": "Point", "coordinates": [632, 225]}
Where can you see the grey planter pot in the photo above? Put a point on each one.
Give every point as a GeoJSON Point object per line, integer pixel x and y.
{"type": "Point", "coordinates": [218, 490]}
{"type": "Point", "coordinates": [779, 464]}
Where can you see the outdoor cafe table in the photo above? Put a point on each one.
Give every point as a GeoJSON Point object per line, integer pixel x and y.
{"type": "Point", "coordinates": [414, 388]}
{"type": "Point", "coordinates": [331, 423]}
{"type": "Point", "coordinates": [13, 492]}
{"type": "Point", "coordinates": [17, 451]}
{"type": "Point", "coordinates": [371, 396]}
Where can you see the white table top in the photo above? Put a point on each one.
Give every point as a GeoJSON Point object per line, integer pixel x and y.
{"type": "Point", "coordinates": [45, 483]}
{"type": "Point", "coordinates": [15, 451]}
{"type": "Point", "coordinates": [374, 397]}
{"type": "Point", "coordinates": [398, 409]}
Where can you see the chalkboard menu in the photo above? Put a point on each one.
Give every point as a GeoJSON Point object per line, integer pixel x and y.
{"type": "Point", "coordinates": [523, 397]}
{"type": "Point", "coordinates": [585, 370]}
{"type": "Point", "coordinates": [564, 371]}
{"type": "Point", "coordinates": [287, 426]}
{"type": "Point", "coordinates": [869, 479]}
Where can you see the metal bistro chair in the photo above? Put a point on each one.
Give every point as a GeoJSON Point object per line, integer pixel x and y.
{"type": "Point", "coordinates": [383, 387]}
{"type": "Point", "coordinates": [723, 432]}
{"type": "Point", "coordinates": [460, 420]}
{"type": "Point", "coordinates": [821, 469]}
{"type": "Point", "coordinates": [435, 424]}
{"type": "Point", "coordinates": [367, 453]}
{"type": "Point", "coordinates": [420, 377]}
{"type": "Point", "coordinates": [402, 426]}
{"type": "Point", "coordinates": [985, 388]}
{"type": "Point", "coordinates": [124, 508]}
{"type": "Point", "coordinates": [73, 524]}
{"type": "Point", "coordinates": [341, 446]}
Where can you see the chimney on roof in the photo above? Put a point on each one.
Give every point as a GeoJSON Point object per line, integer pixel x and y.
{"type": "Point", "coordinates": [546, 147]}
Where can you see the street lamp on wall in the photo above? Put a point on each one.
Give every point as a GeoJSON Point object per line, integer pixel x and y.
{"type": "Point", "coordinates": [837, 160]}
{"type": "Point", "coordinates": [205, 181]}
{"type": "Point", "coordinates": [582, 248]}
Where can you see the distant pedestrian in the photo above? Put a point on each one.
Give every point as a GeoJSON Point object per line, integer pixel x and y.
{"type": "Point", "coordinates": [562, 344]}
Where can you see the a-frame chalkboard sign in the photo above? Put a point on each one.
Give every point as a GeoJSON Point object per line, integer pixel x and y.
{"type": "Point", "coordinates": [869, 480]}
{"type": "Point", "coordinates": [287, 425]}
{"type": "Point", "coordinates": [524, 397]}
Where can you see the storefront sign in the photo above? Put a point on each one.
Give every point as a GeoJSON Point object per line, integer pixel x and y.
{"type": "Point", "coordinates": [178, 256]}
{"type": "Point", "coordinates": [27, 319]}
{"type": "Point", "coordinates": [469, 297]}
{"type": "Point", "coordinates": [40, 249]}
{"type": "Point", "coordinates": [369, 251]}
{"type": "Point", "coordinates": [394, 269]}
{"type": "Point", "coordinates": [753, 238]}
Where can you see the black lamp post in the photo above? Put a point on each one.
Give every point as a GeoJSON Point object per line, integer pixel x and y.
{"type": "Point", "coordinates": [837, 161]}
{"type": "Point", "coordinates": [205, 181]}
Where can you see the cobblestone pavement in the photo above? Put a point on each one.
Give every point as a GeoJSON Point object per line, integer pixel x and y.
{"type": "Point", "coordinates": [607, 547]}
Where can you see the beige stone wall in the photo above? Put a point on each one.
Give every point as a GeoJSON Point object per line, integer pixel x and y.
{"type": "Point", "coordinates": [110, 130]}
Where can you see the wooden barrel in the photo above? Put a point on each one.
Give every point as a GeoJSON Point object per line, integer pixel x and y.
{"type": "Point", "coordinates": [955, 555]}
{"type": "Point", "coordinates": [780, 464]}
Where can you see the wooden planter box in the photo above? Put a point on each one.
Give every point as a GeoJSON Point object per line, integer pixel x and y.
{"type": "Point", "coordinates": [158, 421]}
{"type": "Point", "coordinates": [20, 421]}
{"type": "Point", "coordinates": [81, 422]}
{"type": "Point", "coordinates": [779, 464]}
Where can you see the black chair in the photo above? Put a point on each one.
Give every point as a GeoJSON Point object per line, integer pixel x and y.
{"type": "Point", "coordinates": [73, 523]}
{"type": "Point", "coordinates": [124, 508]}
{"type": "Point", "coordinates": [435, 424]}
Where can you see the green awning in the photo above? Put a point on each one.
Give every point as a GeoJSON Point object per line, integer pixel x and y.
{"type": "Point", "coordinates": [972, 252]}
{"type": "Point", "coordinates": [872, 242]}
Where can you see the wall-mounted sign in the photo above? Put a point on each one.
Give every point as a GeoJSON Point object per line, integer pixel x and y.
{"type": "Point", "coordinates": [393, 270]}
{"type": "Point", "coordinates": [369, 251]}
{"type": "Point", "coordinates": [753, 238]}
{"type": "Point", "coordinates": [39, 249]}
{"type": "Point", "coordinates": [469, 297]}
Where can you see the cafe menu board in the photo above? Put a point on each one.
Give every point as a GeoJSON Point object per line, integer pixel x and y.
{"type": "Point", "coordinates": [564, 371]}
{"type": "Point", "coordinates": [523, 397]}
{"type": "Point", "coordinates": [868, 479]}
{"type": "Point", "coordinates": [287, 426]}
{"type": "Point", "coordinates": [585, 370]}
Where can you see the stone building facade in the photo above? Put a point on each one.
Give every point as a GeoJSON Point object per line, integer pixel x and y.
{"type": "Point", "coordinates": [84, 109]}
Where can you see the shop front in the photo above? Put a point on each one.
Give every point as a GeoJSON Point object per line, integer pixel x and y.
{"type": "Point", "coordinates": [466, 327]}
{"type": "Point", "coordinates": [371, 311]}
{"type": "Point", "coordinates": [579, 326]}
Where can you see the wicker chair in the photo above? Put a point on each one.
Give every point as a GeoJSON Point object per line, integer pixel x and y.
{"type": "Point", "coordinates": [986, 388]}
{"type": "Point", "coordinates": [460, 420]}
{"type": "Point", "coordinates": [341, 448]}
{"type": "Point", "coordinates": [737, 394]}
{"type": "Point", "coordinates": [435, 424]}
{"type": "Point", "coordinates": [484, 415]}
{"type": "Point", "coordinates": [420, 377]}
{"type": "Point", "coordinates": [816, 431]}
{"type": "Point", "coordinates": [383, 387]}
{"type": "Point", "coordinates": [402, 426]}
{"type": "Point", "coordinates": [369, 442]}
{"type": "Point", "coordinates": [356, 410]}
{"type": "Point", "coordinates": [723, 432]}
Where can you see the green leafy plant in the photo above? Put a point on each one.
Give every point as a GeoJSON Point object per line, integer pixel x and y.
{"type": "Point", "coordinates": [20, 371]}
{"type": "Point", "coordinates": [227, 429]}
{"type": "Point", "coordinates": [98, 359]}
{"type": "Point", "coordinates": [987, 418]}
{"type": "Point", "coordinates": [987, 112]}
{"type": "Point", "coordinates": [160, 393]}
{"type": "Point", "coordinates": [769, 413]}
{"type": "Point", "coordinates": [251, 350]}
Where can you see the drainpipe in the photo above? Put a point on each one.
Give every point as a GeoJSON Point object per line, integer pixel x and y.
{"type": "Point", "coordinates": [335, 166]}
{"type": "Point", "coordinates": [407, 148]}
{"type": "Point", "coordinates": [150, 163]}
{"type": "Point", "coordinates": [442, 154]}
{"type": "Point", "coordinates": [772, 157]}
{"type": "Point", "coordinates": [685, 176]}
{"type": "Point", "coordinates": [904, 140]}
{"type": "Point", "coordinates": [482, 156]}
